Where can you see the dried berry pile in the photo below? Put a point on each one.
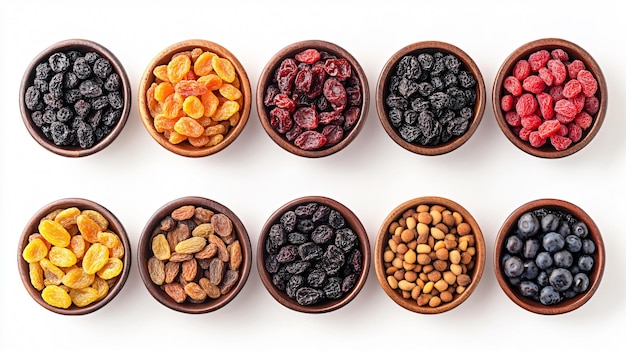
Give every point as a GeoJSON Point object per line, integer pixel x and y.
{"type": "Point", "coordinates": [74, 257]}
{"type": "Point", "coordinates": [196, 255]}
{"type": "Point", "coordinates": [431, 98]}
{"type": "Point", "coordinates": [312, 254]}
{"type": "Point", "coordinates": [75, 98]}
{"type": "Point", "coordinates": [314, 99]}
{"type": "Point", "coordinates": [548, 256]}
{"type": "Point", "coordinates": [550, 99]}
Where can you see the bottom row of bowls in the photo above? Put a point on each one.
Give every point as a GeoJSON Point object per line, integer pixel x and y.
{"type": "Point", "coordinates": [313, 255]}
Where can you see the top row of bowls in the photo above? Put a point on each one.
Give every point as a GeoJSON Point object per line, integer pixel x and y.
{"type": "Point", "coordinates": [313, 96]}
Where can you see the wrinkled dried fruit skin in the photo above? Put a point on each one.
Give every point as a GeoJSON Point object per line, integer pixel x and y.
{"type": "Point", "coordinates": [176, 292]}
{"type": "Point", "coordinates": [55, 296]}
{"type": "Point", "coordinates": [160, 247]}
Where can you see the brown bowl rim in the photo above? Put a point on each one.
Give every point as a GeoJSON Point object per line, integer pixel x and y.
{"type": "Point", "coordinates": [599, 257]}
{"type": "Point", "coordinates": [354, 223]}
{"type": "Point", "coordinates": [144, 252]}
{"type": "Point", "coordinates": [114, 224]}
{"type": "Point", "coordinates": [574, 51]}
{"type": "Point", "coordinates": [383, 236]}
{"type": "Point", "coordinates": [185, 149]}
{"type": "Point", "coordinates": [383, 84]}
{"type": "Point", "coordinates": [266, 74]}
{"type": "Point", "coordinates": [82, 45]}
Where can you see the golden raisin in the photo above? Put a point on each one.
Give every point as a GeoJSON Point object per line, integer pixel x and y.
{"type": "Point", "coordinates": [193, 107]}
{"type": "Point", "coordinates": [97, 217]}
{"type": "Point", "coordinates": [203, 65]}
{"type": "Point", "coordinates": [160, 72]}
{"type": "Point", "coordinates": [163, 123]}
{"type": "Point", "coordinates": [200, 141]}
{"type": "Point", "coordinates": [67, 217]}
{"type": "Point", "coordinates": [174, 137]}
{"type": "Point", "coordinates": [83, 297]}
{"type": "Point", "coordinates": [224, 69]}
{"type": "Point", "coordinates": [210, 103]}
{"type": "Point", "coordinates": [211, 81]}
{"type": "Point", "coordinates": [189, 127]}
{"type": "Point", "coordinates": [95, 258]}
{"type": "Point", "coordinates": [160, 247]}
{"type": "Point", "coordinates": [195, 53]}
{"type": "Point", "coordinates": [163, 90]}
{"type": "Point", "coordinates": [61, 256]}
{"type": "Point", "coordinates": [35, 251]}
{"type": "Point", "coordinates": [56, 296]}
{"type": "Point", "coordinates": [88, 228]}
{"type": "Point", "coordinates": [35, 274]}
{"type": "Point", "coordinates": [190, 88]}
{"type": "Point", "coordinates": [225, 110]}
{"type": "Point", "coordinates": [77, 278]}
{"type": "Point", "coordinates": [51, 273]}
{"type": "Point", "coordinates": [101, 286]}
{"type": "Point", "coordinates": [172, 106]}
{"type": "Point", "coordinates": [111, 269]}
{"type": "Point", "coordinates": [230, 92]}
{"type": "Point", "coordinates": [178, 67]}
{"type": "Point", "coordinates": [54, 233]}
{"type": "Point", "coordinates": [79, 246]}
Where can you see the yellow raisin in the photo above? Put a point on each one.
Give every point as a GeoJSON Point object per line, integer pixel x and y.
{"type": "Point", "coordinates": [178, 67]}
{"type": "Point", "coordinates": [117, 251]}
{"type": "Point", "coordinates": [154, 106]}
{"type": "Point", "coordinates": [211, 81]}
{"type": "Point", "coordinates": [111, 269]}
{"type": "Point", "coordinates": [98, 217]}
{"type": "Point", "coordinates": [193, 107]}
{"type": "Point", "coordinates": [160, 247]}
{"type": "Point", "coordinates": [160, 72]}
{"type": "Point", "coordinates": [189, 127]}
{"type": "Point", "coordinates": [67, 217]}
{"type": "Point", "coordinates": [230, 92]}
{"type": "Point", "coordinates": [56, 296]}
{"type": "Point", "coordinates": [214, 130]}
{"type": "Point", "coordinates": [61, 256]}
{"type": "Point", "coordinates": [35, 251]}
{"type": "Point", "coordinates": [210, 103]}
{"type": "Point", "coordinates": [52, 215]}
{"type": "Point", "coordinates": [77, 278]}
{"type": "Point", "coordinates": [54, 233]}
{"type": "Point", "coordinates": [190, 87]}
{"type": "Point", "coordinates": [95, 258]}
{"type": "Point", "coordinates": [51, 273]}
{"type": "Point", "coordinates": [35, 274]}
{"type": "Point", "coordinates": [224, 69]}
{"type": "Point", "coordinates": [163, 123]}
{"type": "Point", "coordinates": [203, 65]}
{"type": "Point", "coordinates": [78, 245]}
{"type": "Point", "coordinates": [234, 119]}
{"type": "Point", "coordinates": [174, 137]}
{"type": "Point", "coordinates": [163, 90]}
{"type": "Point", "coordinates": [216, 139]}
{"type": "Point", "coordinates": [88, 228]}
{"type": "Point", "coordinates": [191, 245]}
{"type": "Point", "coordinates": [101, 286]}
{"type": "Point", "coordinates": [195, 53]}
{"type": "Point", "coordinates": [84, 296]}
{"type": "Point", "coordinates": [225, 110]}
{"type": "Point", "coordinates": [200, 141]}
{"type": "Point", "coordinates": [40, 237]}
{"type": "Point", "coordinates": [172, 106]}
{"type": "Point", "coordinates": [108, 239]}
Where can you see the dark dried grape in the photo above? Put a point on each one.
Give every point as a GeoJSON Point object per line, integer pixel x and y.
{"type": "Point", "coordinates": [32, 99]}
{"type": "Point", "coordinates": [64, 114]}
{"type": "Point", "coordinates": [85, 135]}
{"type": "Point", "coordinates": [100, 102]}
{"type": "Point", "coordinates": [61, 133]}
{"type": "Point", "coordinates": [115, 100]}
{"type": "Point", "coordinates": [286, 75]}
{"type": "Point", "coordinates": [59, 62]}
{"type": "Point", "coordinates": [113, 82]}
{"type": "Point", "coordinates": [70, 80]}
{"type": "Point", "coordinates": [332, 288]}
{"type": "Point", "coordinates": [305, 225]}
{"type": "Point", "coordinates": [322, 234]}
{"type": "Point", "coordinates": [42, 71]}
{"type": "Point", "coordinates": [409, 67]}
{"type": "Point", "coordinates": [310, 251]}
{"type": "Point", "coordinates": [409, 133]}
{"type": "Point", "coordinates": [271, 264]}
{"type": "Point", "coordinates": [349, 282]}
{"type": "Point", "coordinates": [288, 221]}
{"type": "Point", "coordinates": [335, 219]}
{"type": "Point", "coordinates": [294, 283]}
{"type": "Point", "coordinates": [276, 238]}
{"type": "Point", "coordinates": [110, 117]}
{"type": "Point", "coordinates": [287, 253]}
{"type": "Point", "coordinates": [346, 239]}
{"type": "Point", "coordinates": [81, 68]}
{"type": "Point", "coordinates": [297, 267]}
{"type": "Point", "coordinates": [90, 89]}
{"type": "Point", "coordinates": [308, 296]}
{"type": "Point", "coordinates": [55, 85]}
{"type": "Point", "coordinates": [102, 68]}
{"type": "Point", "coordinates": [316, 278]}
{"type": "Point", "coordinates": [297, 238]}
{"type": "Point", "coordinates": [320, 214]}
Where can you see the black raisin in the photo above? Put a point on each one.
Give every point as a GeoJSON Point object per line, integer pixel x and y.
{"type": "Point", "coordinates": [310, 251]}
{"type": "Point", "coordinates": [64, 114]}
{"type": "Point", "coordinates": [111, 116]}
{"type": "Point", "coordinates": [336, 220]}
{"type": "Point", "coordinates": [316, 278]}
{"type": "Point", "coordinates": [85, 135]}
{"type": "Point", "coordinates": [82, 108]}
{"type": "Point", "coordinates": [349, 282]}
{"type": "Point", "coordinates": [346, 239]}
{"type": "Point", "coordinates": [287, 253]}
{"type": "Point", "coordinates": [113, 82]}
{"type": "Point", "coordinates": [322, 234]}
{"type": "Point", "coordinates": [59, 62]}
{"type": "Point", "coordinates": [271, 264]}
{"type": "Point", "coordinates": [81, 68]}
{"type": "Point", "coordinates": [306, 210]}
{"type": "Point", "coordinates": [308, 296]}
{"type": "Point", "coordinates": [332, 288]}
{"type": "Point", "coordinates": [321, 214]}
{"type": "Point", "coordinates": [305, 225]}
{"type": "Point", "coordinates": [42, 71]}
{"type": "Point", "coordinates": [276, 238]}
{"type": "Point", "coordinates": [410, 116]}
{"type": "Point", "coordinates": [115, 100]}
{"type": "Point", "coordinates": [102, 68]}
{"type": "Point", "coordinates": [100, 102]}
{"type": "Point", "coordinates": [32, 98]}
{"type": "Point", "coordinates": [294, 283]}
{"type": "Point", "coordinates": [90, 89]}
{"type": "Point", "coordinates": [409, 133]}
{"type": "Point", "coordinates": [395, 117]}
{"type": "Point", "coordinates": [297, 267]}
{"type": "Point", "coordinates": [61, 134]}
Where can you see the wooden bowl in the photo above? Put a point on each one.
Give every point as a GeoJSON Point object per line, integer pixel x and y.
{"type": "Point", "coordinates": [110, 132]}
{"type": "Point", "coordinates": [299, 211]}
{"type": "Point", "coordinates": [500, 251]}
{"type": "Point", "coordinates": [356, 82]}
{"type": "Point", "coordinates": [184, 147]}
{"type": "Point", "coordinates": [155, 226]}
{"type": "Point", "coordinates": [434, 146]}
{"type": "Point", "coordinates": [574, 52]}
{"type": "Point", "coordinates": [114, 225]}
{"type": "Point", "coordinates": [472, 256]}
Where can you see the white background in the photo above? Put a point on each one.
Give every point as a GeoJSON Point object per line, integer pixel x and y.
{"type": "Point", "coordinates": [253, 176]}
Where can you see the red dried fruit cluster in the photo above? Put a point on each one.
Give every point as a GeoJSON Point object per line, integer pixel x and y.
{"type": "Point", "coordinates": [314, 99]}
{"type": "Point", "coordinates": [548, 98]}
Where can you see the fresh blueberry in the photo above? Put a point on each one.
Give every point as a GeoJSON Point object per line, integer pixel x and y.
{"type": "Point", "coordinates": [528, 224]}
{"type": "Point", "coordinates": [530, 270]}
{"type": "Point", "coordinates": [531, 248]}
{"type": "Point", "coordinates": [550, 222]}
{"type": "Point", "coordinates": [585, 263]}
{"type": "Point", "coordinates": [514, 244]}
{"type": "Point", "coordinates": [543, 279]}
{"type": "Point", "coordinates": [553, 242]}
{"type": "Point", "coordinates": [579, 228]}
{"type": "Point", "coordinates": [513, 267]}
{"type": "Point", "coordinates": [529, 289]}
{"type": "Point", "coordinates": [561, 279]}
{"type": "Point", "coordinates": [563, 259]}
{"type": "Point", "coordinates": [564, 229]}
{"type": "Point", "coordinates": [543, 260]}
{"type": "Point", "coordinates": [588, 247]}
{"type": "Point", "coordinates": [581, 282]}
{"type": "Point", "coordinates": [549, 296]}
{"type": "Point", "coordinates": [573, 243]}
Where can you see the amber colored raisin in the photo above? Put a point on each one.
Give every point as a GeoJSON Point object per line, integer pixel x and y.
{"type": "Point", "coordinates": [35, 251]}
{"type": "Point", "coordinates": [212, 81]}
{"type": "Point", "coordinates": [67, 217]}
{"type": "Point", "coordinates": [191, 245]}
{"type": "Point", "coordinates": [178, 67]}
{"type": "Point", "coordinates": [117, 251]}
{"type": "Point", "coordinates": [51, 273]}
{"type": "Point", "coordinates": [176, 292]}
{"type": "Point", "coordinates": [55, 296]}
{"type": "Point", "coordinates": [160, 72]}
{"type": "Point", "coordinates": [61, 256]}
{"type": "Point", "coordinates": [230, 92]}
{"type": "Point", "coordinates": [214, 130]}
{"type": "Point", "coordinates": [216, 139]}
{"type": "Point", "coordinates": [234, 119]}
{"type": "Point", "coordinates": [160, 247]}
{"type": "Point", "coordinates": [154, 107]}
{"type": "Point", "coordinates": [190, 88]}
{"type": "Point", "coordinates": [101, 286]}
{"type": "Point", "coordinates": [111, 269]}
{"type": "Point", "coordinates": [163, 123]}
{"type": "Point", "coordinates": [210, 103]}
{"type": "Point", "coordinates": [156, 270]}
{"type": "Point", "coordinates": [84, 296]}
{"type": "Point", "coordinates": [77, 278]}
{"type": "Point", "coordinates": [54, 233]}
{"type": "Point", "coordinates": [224, 69]}
{"type": "Point", "coordinates": [183, 212]}
{"type": "Point", "coordinates": [79, 246]}
{"type": "Point", "coordinates": [95, 258]}
{"type": "Point", "coordinates": [40, 237]}
{"type": "Point", "coordinates": [172, 106]}
{"type": "Point", "coordinates": [225, 110]}
{"type": "Point", "coordinates": [200, 141]}
{"type": "Point", "coordinates": [209, 288]}
{"type": "Point", "coordinates": [174, 137]}
{"type": "Point", "coordinates": [97, 217]}
{"type": "Point", "coordinates": [35, 274]}
{"type": "Point", "coordinates": [162, 91]}
{"type": "Point", "coordinates": [88, 228]}
{"type": "Point", "coordinates": [193, 107]}
{"type": "Point", "coordinates": [202, 66]}
{"type": "Point", "coordinates": [189, 127]}
{"type": "Point", "coordinates": [108, 239]}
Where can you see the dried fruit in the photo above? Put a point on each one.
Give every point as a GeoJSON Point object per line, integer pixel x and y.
{"type": "Point", "coordinates": [84, 296]}
{"type": "Point", "coordinates": [35, 274]}
{"type": "Point", "coordinates": [55, 296]}
{"type": "Point", "coordinates": [156, 270]}
{"type": "Point", "coordinates": [61, 256]}
{"type": "Point", "coordinates": [160, 247]}
{"type": "Point", "coordinates": [111, 269]}
{"type": "Point", "coordinates": [35, 251]}
{"type": "Point", "coordinates": [191, 245]}
{"type": "Point", "coordinates": [77, 278]}
{"type": "Point", "coordinates": [95, 258]}
{"type": "Point", "coordinates": [54, 233]}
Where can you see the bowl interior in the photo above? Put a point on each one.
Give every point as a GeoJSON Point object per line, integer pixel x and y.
{"type": "Point", "coordinates": [384, 236]}
{"type": "Point", "coordinates": [145, 252]}
{"type": "Point", "coordinates": [114, 225]}
{"type": "Point", "coordinates": [82, 46]}
{"type": "Point", "coordinates": [575, 52]}
{"type": "Point", "coordinates": [382, 92]}
{"type": "Point", "coordinates": [267, 76]}
{"type": "Point", "coordinates": [327, 305]}
{"type": "Point", "coordinates": [162, 58]}
{"type": "Point", "coordinates": [595, 275]}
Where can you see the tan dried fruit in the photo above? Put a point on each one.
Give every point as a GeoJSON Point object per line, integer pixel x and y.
{"type": "Point", "coordinates": [88, 227]}
{"type": "Point", "coordinates": [176, 292]}
{"type": "Point", "coordinates": [179, 233]}
{"type": "Point", "coordinates": [216, 270]}
{"type": "Point", "coordinates": [101, 286]}
{"type": "Point", "coordinates": [156, 270]}
{"type": "Point", "coordinates": [97, 217]}
{"type": "Point", "coordinates": [203, 230]}
{"type": "Point", "coordinates": [67, 217]}
{"type": "Point", "coordinates": [189, 270]}
{"type": "Point", "coordinates": [35, 274]}
{"type": "Point", "coordinates": [180, 257]}
{"type": "Point", "coordinates": [209, 288]}
{"type": "Point", "coordinates": [183, 212]}
{"type": "Point", "coordinates": [222, 224]}
{"type": "Point", "coordinates": [191, 245]}
{"type": "Point", "coordinates": [230, 279]}
{"type": "Point", "coordinates": [171, 271]}
{"type": "Point", "coordinates": [236, 256]}
{"type": "Point", "coordinates": [202, 215]}
{"type": "Point", "coordinates": [51, 273]}
{"type": "Point", "coordinates": [208, 252]}
{"type": "Point", "coordinates": [76, 278]}
{"type": "Point", "coordinates": [160, 247]}
{"type": "Point", "coordinates": [79, 246]}
{"type": "Point", "coordinates": [61, 256]}
{"type": "Point", "coordinates": [111, 269]}
{"type": "Point", "coordinates": [83, 297]}
{"type": "Point", "coordinates": [195, 292]}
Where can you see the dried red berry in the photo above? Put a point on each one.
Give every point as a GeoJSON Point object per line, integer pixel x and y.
{"type": "Point", "coordinates": [306, 117]}
{"type": "Point", "coordinates": [526, 105]}
{"type": "Point", "coordinates": [310, 140]}
{"type": "Point", "coordinates": [513, 86]}
{"type": "Point", "coordinates": [309, 56]}
{"type": "Point", "coordinates": [549, 128]}
{"type": "Point", "coordinates": [560, 143]}
{"type": "Point", "coordinates": [521, 69]}
{"type": "Point", "coordinates": [588, 83]}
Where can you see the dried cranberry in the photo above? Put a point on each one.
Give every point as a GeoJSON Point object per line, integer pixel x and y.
{"type": "Point", "coordinates": [306, 117]}
{"type": "Point", "coordinates": [304, 80]}
{"type": "Point", "coordinates": [339, 68]}
{"type": "Point", "coordinates": [310, 140]}
{"type": "Point", "coordinates": [280, 120]}
{"type": "Point", "coordinates": [283, 101]}
{"type": "Point", "coordinates": [309, 56]}
{"type": "Point", "coordinates": [333, 134]}
{"type": "Point", "coordinates": [335, 93]}
{"type": "Point", "coordinates": [285, 75]}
